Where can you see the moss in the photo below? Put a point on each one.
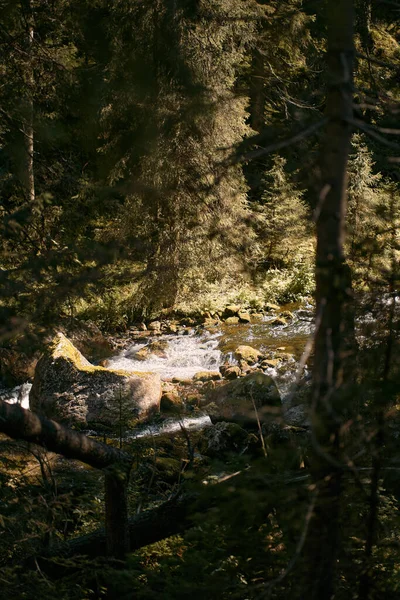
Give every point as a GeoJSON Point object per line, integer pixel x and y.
{"type": "Point", "coordinates": [61, 347]}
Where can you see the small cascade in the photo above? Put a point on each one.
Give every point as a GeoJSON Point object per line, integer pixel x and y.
{"type": "Point", "coordinates": [184, 356]}
{"type": "Point", "coordinates": [17, 395]}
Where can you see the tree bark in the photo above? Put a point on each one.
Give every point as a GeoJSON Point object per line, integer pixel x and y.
{"type": "Point", "coordinates": [22, 424]}
{"type": "Point", "coordinates": [334, 338]}
{"type": "Point", "coordinates": [29, 116]}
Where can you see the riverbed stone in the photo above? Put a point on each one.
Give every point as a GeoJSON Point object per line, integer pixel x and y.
{"type": "Point", "coordinates": [207, 376]}
{"type": "Point", "coordinates": [230, 371]}
{"type": "Point", "coordinates": [270, 363]}
{"type": "Point", "coordinates": [232, 310]}
{"type": "Point", "coordinates": [277, 322]}
{"type": "Point", "coordinates": [170, 402]}
{"type": "Point", "coordinates": [232, 320]}
{"type": "Point", "coordinates": [257, 317]}
{"type": "Point", "coordinates": [239, 400]}
{"type": "Point", "coordinates": [69, 389]}
{"type": "Point", "coordinates": [244, 317]}
{"type": "Point", "coordinates": [269, 307]}
{"type": "Point", "coordinates": [247, 354]}
{"type": "Point", "coordinates": [154, 326]}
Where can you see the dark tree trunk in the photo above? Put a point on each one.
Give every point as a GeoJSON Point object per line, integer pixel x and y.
{"type": "Point", "coordinates": [363, 22]}
{"type": "Point", "coordinates": [28, 128]}
{"type": "Point", "coordinates": [257, 91]}
{"type": "Point", "coordinates": [24, 425]}
{"type": "Point", "coordinates": [334, 337]}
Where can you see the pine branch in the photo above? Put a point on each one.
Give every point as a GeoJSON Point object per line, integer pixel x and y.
{"type": "Point", "coordinates": [298, 137]}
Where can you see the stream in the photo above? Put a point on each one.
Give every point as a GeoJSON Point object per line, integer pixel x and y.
{"type": "Point", "coordinates": [205, 350]}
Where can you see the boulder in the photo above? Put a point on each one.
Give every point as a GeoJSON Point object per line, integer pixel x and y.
{"type": "Point", "coordinates": [247, 354]}
{"type": "Point", "coordinates": [69, 389]}
{"type": "Point", "coordinates": [235, 400]}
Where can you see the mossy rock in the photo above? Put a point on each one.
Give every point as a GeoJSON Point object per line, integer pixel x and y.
{"type": "Point", "coordinates": [247, 354]}
{"type": "Point", "coordinates": [69, 389]}
{"type": "Point", "coordinates": [245, 399]}
{"type": "Point", "coordinates": [207, 376]}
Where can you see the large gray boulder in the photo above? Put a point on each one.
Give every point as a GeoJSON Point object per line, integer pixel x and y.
{"type": "Point", "coordinates": [69, 389]}
{"type": "Point", "coordinates": [245, 400]}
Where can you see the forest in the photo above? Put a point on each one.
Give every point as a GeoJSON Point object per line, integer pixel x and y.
{"type": "Point", "coordinates": [199, 299]}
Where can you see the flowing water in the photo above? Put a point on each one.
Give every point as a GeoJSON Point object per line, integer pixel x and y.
{"type": "Point", "coordinates": [206, 350]}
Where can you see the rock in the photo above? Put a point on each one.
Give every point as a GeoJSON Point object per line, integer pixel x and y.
{"type": "Point", "coordinates": [244, 317]}
{"type": "Point", "coordinates": [223, 438]}
{"type": "Point", "coordinates": [69, 389]}
{"type": "Point", "coordinates": [270, 363]}
{"type": "Point", "coordinates": [232, 310]}
{"type": "Point", "coordinates": [170, 402]}
{"type": "Point", "coordinates": [182, 380]}
{"type": "Point", "coordinates": [257, 317]}
{"type": "Point", "coordinates": [284, 356]}
{"type": "Point", "coordinates": [207, 376]}
{"type": "Point", "coordinates": [154, 326]}
{"type": "Point", "coordinates": [232, 320]}
{"type": "Point", "coordinates": [158, 348]}
{"type": "Point", "coordinates": [286, 314]}
{"type": "Point", "coordinates": [230, 371]}
{"type": "Point", "coordinates": [233, 372]}
{"type": "Point", "coordinates": [172, 328]}
{"type": "Point", "coordinates": [142, 354]}
{"type": "Point", "coordinates": [247, 354]}
{"type": "Point", "coordinates": [277, 322]}
{"type": "Point", "coordinates": [298, 416]}
{"type": "Point", "coordinates": [233, 401]}
{"type": "Point", "coordinates": [89, 340]}
{"type": "Point", "coordinates": [271, 307]}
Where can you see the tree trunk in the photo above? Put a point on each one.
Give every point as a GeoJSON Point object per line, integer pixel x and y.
{"type": "Point", "coordinates": [22, 424]}
{"type": "Point", "coordinates": [29, 116]}
{"type": "Point", "coordinates": [334, 337]}
{"type": "Point", "coordinates": [257, 91]}
{"type": "Point", "coordinates": [363, 23]}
